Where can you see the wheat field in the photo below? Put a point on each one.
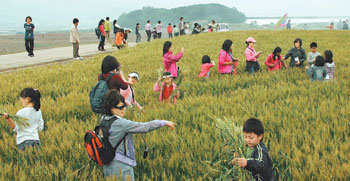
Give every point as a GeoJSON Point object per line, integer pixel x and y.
{"type": "Point", "coordinates": [306, 124]}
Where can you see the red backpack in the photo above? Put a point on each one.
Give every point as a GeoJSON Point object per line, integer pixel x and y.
{"type": "Point", "coordinates": [97, 144]}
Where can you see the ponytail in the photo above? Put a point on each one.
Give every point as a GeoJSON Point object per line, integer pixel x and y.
{"type": "Point", "coordinates": [34, 96]}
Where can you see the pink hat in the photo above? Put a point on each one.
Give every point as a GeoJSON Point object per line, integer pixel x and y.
{"type": "Point", "coordinates": [251, 39]}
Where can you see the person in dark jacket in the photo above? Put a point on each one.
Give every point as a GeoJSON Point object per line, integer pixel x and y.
{"type": "Point", "coordinates": [110, 65]}
{"type": "Point", "coordinates": [297, 54]}
{"type": "Point", "coordinates": [260, 163]}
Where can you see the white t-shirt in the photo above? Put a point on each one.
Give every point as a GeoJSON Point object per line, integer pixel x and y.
{"type": "Point", "coordinates": [35, 121]}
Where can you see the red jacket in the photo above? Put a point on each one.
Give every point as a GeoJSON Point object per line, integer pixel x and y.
{"type": "Point", "coordinates": [116, 82]}
{"type": "Point", "coordinates": [170, 29]}
{"type": "Point", "coordinates": [270, 61]}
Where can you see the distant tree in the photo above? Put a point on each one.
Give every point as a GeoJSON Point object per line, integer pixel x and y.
{"type": "Point", "coordinates": [218, 12]}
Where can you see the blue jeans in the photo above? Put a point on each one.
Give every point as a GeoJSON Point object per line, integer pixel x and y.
{"type": "Point", "coordinates": [119, 170]}
{"type": "Point", "coordinates": [29, 143]}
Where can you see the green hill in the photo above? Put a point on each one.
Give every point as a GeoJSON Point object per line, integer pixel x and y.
{"type": "Point", "coordinates": [202, 13]}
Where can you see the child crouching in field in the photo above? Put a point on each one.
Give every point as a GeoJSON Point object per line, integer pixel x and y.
{"type": "Point", "coordinates": [330, 65]}
{"type": "Point", "coordinates": [260, 163]}
{"type": "Point", "coordinates": [207, 64]}
{"type": "Point", "coordinates": [317, 72]}
{"type": "Point", "coordinates": [167, 88]}
{"type": "Point", "coordinates": [129, 94]}
{"type": "Point", "coordinates": [28, 136]}
{"type": "Point", "coordinates": [274, 61]}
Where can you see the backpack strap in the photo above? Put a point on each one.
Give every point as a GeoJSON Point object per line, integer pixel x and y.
{"type": "Point", "coordinates": [109, 124]}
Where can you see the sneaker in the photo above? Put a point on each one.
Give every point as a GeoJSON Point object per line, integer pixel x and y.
{"type": "Point", "coordinates": [76, 58]}
{"type": "Point", "coordinates": [31, 55]}
{"type": "Point", "coordinates": [103, 50]}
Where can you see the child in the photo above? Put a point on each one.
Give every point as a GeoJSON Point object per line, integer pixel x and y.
{"type": "Point", "coordinates": [154, 32]}
{"type": "Point", "coordinates": [274, 60]}
{"type": "Point", "coordinates": [176, 31]}
{"type": "Point", "coordinates": [170, 30]}
{"type": "Point", "coordinates": [313, 54]}
{"type": "Point", "coordinates": [129, 94]}
{"type": "Point", "coordinates": [206, 66]}
{"type": "Point", "coordinates": [166, 88]}
{"type": "Point", "coordinates": [259, 163]}
{"type": "Point", "coordinates": [317, 72]}
{"type": "Point", "coordinates": [252, 56]}
{"type": "Point", "coordinates": [297, 54]}
{"type": "Point", "coordinates": [28, 136]}
{"type": "Point", "coordinates": [169, 60]}
{"type": "Point", "coordinates": [119, 39]}
{"type": "Point", "coordinates": [330, 66]}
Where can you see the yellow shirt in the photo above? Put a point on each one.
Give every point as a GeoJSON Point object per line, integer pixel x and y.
{"type": "Point", "coordinates": [107, 26]}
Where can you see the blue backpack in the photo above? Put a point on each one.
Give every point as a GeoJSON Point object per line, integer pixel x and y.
{"type": "Point", "coordinates": [98, 93]}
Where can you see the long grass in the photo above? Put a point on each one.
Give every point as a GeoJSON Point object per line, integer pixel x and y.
{"type": "Point", "coordinates": [306, 124]}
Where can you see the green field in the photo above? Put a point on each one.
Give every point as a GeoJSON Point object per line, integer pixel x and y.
{"type": "Point", "coordinates": [307, 126]}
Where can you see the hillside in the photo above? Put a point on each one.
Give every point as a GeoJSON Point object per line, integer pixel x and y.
{"type": "Point", "coordinates": [195, 13]}
{"type": "Point", "coordinates": [306, 123]}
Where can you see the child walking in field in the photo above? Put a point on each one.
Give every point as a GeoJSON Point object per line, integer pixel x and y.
{"type": "Point", "coordinates": [313, 54]}
{"type": "Point", "coordinates": [274, 61]}
{"type": "Point", "coordinates": [330, 65]}
{"type": "Point", "coordinates": [170, 60]}
{"type": "Point", "coordinates": [28, 136]}
{"type": "Point", "coordinates": [318, 71]}
{"type": "Point", "coordinates": [129, 94]}
{"type": "Point", "coordinates": [252, 56]}
{"type": "Point", "coordinates": [259, 163]}
{"type": "Point", "coordinates": [207, 64]}
{"type": "Point", "coordinates": [166, 88]}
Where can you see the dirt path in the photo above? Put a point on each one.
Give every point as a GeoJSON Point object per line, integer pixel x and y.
{"type": "Point", "coordinates": [15, 61]}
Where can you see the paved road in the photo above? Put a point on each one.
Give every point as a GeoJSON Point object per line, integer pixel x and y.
{"type": "Point", "coordinates": [20, 60]}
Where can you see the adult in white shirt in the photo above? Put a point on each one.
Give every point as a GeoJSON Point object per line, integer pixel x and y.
{"type": "Point", "coordinates": [148, 29]}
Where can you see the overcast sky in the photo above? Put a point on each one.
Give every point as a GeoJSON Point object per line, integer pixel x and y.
{"type": "Point", "coordinates": [55, 11]}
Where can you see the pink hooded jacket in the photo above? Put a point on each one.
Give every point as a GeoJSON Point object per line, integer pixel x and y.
{"type": "Point", "coordinates": [160, 89]}
{"type": "Point", "coordinates": [225, 57]}
{"type": "Point", "coordinates": [169, 62]}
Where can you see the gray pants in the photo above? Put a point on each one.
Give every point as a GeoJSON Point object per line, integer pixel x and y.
{"type": "Point", "coordinates": [76, 50]}
{"type": "Point", "coordinates": [138, 38]}
{"type": "Point", "coordinates": [119, 170]}
{"type": "Point", "coordinates": [29, 143]}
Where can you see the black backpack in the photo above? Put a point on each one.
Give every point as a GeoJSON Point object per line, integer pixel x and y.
{"type": "Point", "coordinates": [97, 143]}
{"type": "Point", "coordinates": [98, 32]}
{"type": "Point", "coordinates": [98, 93]}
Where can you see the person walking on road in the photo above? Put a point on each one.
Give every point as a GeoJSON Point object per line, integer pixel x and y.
{"type": "Point", "coordinates": [101, 26]}
{"type": "Point", "coordinates": [74, 39]}
{"type": "Point", "coordinates": [137, 32]}
{"type": "Point", "coordinates": [29, 36]}
{"type": "Point", "coordinates": [148, 29]}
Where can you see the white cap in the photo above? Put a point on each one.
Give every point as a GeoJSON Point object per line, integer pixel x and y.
{"type": "Point", "coordinates": [134, 74]}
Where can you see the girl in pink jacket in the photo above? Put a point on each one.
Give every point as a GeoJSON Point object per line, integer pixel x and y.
{"type": "Point", "coordinates": [169, 60]}
{"type": "Point", "coordinates": [129, 94]}
{"type": "Point", "coordinates": [252, 56]}
{"type": "Point", "coordinates": [227, 64]}
{"type": "Point", "coordinates": [206, 66]}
